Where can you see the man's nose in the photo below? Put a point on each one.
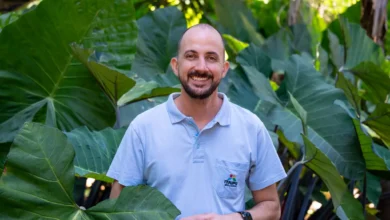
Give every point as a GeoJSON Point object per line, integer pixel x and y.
{"type": "Point", "coordinates": [201, 65]}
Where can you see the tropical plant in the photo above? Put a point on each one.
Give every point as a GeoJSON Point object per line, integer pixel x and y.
{"type": "Point", "coordinates": [73, 79]}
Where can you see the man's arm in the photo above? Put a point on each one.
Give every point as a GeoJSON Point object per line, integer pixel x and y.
{"type": "Point", "coordinates": [116, 189]}
{"type": "Point", "coordinates": [267, 204]}
{"type": "Point", "coordinates": [267, 207]}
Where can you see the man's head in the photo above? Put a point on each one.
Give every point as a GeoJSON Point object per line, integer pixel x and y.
{"type": "Point", "coordinates": [200, 63]}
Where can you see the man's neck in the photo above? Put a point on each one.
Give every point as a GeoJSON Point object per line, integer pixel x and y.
{"type": "Point", "coordinates": [201, 110]}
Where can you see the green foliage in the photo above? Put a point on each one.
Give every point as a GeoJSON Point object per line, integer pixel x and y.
{"type": "Point", "coordinates": [346, 206]}
{"type": "Point", "coordinates": [330, 128]}
{"type": "Point", "coordinates": [94, 151]}
{"type": "Point", "coordinates": [114, 83]}
{"type": "Point", "coordinates": [379, 121]}
{"type": "Point", "coordinates": [159, 33]}
{"type": "Point", "coordinates": [237, 20]}
{"type": "Point", "coordinates": [233, 46]}
{"type": "Point", "coordinates": [6, 19]}
{"type": "Point", "coordinates": [330, 109]}
{"type": "Point", "coordinates": [41, 79]}
{"type": "Point", "coordinates": [270, 15]}
{"type": "Point", "coordinates": [39, 184]}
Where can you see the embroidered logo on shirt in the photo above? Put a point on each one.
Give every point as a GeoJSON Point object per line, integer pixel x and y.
{"type": "Point", "coordinates": [231, 181]}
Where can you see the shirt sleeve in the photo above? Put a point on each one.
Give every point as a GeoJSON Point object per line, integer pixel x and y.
{"type": "Point", "coordinates": [267, 168]}
{"type": "Point", "coordinates": [127, 165]}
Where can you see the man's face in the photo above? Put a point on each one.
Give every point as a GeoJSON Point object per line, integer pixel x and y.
{"type": "Point", "coordinates": [200, 64]}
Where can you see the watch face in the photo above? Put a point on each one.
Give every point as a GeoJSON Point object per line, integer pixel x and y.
{"type": "Point", "coordinates": [246, 215]}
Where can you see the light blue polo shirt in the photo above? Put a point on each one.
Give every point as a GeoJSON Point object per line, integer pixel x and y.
{"type": "Point", "coordinates": [199, 171]}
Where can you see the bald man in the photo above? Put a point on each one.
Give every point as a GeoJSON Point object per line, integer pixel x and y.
{"type": "Point", "coordinates": [199, 149]}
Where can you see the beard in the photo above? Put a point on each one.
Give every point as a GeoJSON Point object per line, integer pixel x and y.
{"type": "Point", "coordinates": [196, 94]}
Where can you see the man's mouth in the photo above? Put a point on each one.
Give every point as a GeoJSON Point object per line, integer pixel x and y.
{"type": "Point", "coordinates": [199, 78]}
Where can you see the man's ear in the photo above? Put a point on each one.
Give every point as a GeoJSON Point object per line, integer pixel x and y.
{"type": "Point", "coordinates": [174, 66]}
{"type": "Point", "coordinates": [226, 66]}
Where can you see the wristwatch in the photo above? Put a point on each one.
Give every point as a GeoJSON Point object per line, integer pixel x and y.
{"type": "Point", "coordinates": [245, 215]}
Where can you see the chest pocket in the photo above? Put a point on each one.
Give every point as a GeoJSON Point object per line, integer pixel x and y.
{"type": "Point", "coordinates": [229, 178]}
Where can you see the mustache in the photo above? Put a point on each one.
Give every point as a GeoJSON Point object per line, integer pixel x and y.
{"type": "Point", "coordinates": [194, 73]}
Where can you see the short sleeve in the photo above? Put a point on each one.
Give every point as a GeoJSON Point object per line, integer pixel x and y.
{"type": "Point", "coordinates": [127, 165]}
{"type": "Point", "coordinates": [267, 168]}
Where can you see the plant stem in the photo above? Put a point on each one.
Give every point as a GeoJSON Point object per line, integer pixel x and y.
{"type": "Point", "coordinates": [285, 180]}
{"type": "Point", "coordinates": [305, 204]}
{"type": "Point", "coordinates": [364, 195]}
{"type": "Point", "coordinates": [118, 118]}
{"type": "Point", "coordinates": [291, 196]}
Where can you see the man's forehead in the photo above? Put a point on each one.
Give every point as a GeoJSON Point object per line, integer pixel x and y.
{"type": "Point", "coordinates": [202, 35]}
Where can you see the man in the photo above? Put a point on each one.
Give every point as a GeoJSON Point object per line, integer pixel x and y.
{"type": "Point", "coordinates": [199, 149]}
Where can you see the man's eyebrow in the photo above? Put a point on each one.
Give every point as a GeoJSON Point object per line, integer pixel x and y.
{"type": "Point", "coordinates": [212, 53]}
{"type": "Point", "coordinates": [190, 51]}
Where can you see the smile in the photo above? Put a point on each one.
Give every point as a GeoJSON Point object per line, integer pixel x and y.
{"type": "Point", "coordinates": [197, 78]}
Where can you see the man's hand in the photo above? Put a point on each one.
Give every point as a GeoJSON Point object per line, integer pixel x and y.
{"type": "Point", "coordinates": [213, 216]}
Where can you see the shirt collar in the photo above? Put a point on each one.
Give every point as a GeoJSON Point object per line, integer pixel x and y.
{"type": "Point", "coordinates": [222, 117]}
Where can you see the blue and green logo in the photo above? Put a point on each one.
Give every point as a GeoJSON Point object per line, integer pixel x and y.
{"type": "Point", "coordinates": [231, 181]}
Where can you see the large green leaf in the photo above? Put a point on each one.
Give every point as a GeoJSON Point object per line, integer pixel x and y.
{"type": "Point", "coordinates": [336, 50]}
{"type": "Point", "coordinates": [278, 48]}
{"type": "Point", "coordinates": [360, 56]}
{"type": "Point", "coordinates": [94, 151]}
{"type": "Point", "coordinates": [374, 160]}
{"type": "Point", "coordinates": [329, 127]}
{"type": "Point", "coordinates": [159, 34]}
{"type": "Point", "coordinates": [114, 83]}
{"type": "Point", "coordinates": [293, 148]}
{"type": "Point", "coordinates": [376, 81]}
{"type": "Point", "coordinates": [237, 20]}
{"type": "Point", "coordinates": [41, 80]}
{"type": "Point", "coordinates": [379, 121]}
{"type": "Point", "coordinates": [121, 89]}
{"type": "Point", "coordinates": [40, 177]}
{"type": "Point", "coordinates": [129, 112]}
{"type": "Point", "coordinates": [237, 87]}
{"type": "Point", "coordinates": [144, 90]}
{"type": "Point", "coordinates": [114, 35]}
{"type": "Point", "coordinates": [352, 14]}
{"type": "Point", "coordinates": [302, 41]}
{"type": "Point", "coordinates": [254, 56]}
{"type": "Point", "coordinates": [359, 46]}
{"type": "Point", "coordinates": [261, 86]}
{"type": "Point", "coordinates": [345, 205]}
{"type": "Point", "coordinates": [233, 46]}
{"type": "Point", "coordinates": [350, 92]}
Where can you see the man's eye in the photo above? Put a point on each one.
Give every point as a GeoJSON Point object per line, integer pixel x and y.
{"type": "Point", "coordinates": [190, 56]}
{"type": "Point", "coordinates": [213, 58]}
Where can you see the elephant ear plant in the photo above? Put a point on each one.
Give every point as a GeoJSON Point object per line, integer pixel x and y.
{"type": "Point", "coordinates": [40, 177]}
{"type": "Point", "coordinates": [63, 77]}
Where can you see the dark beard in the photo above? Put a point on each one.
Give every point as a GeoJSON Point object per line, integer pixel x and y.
{"type": "Point", "coordinates": [191, 92]}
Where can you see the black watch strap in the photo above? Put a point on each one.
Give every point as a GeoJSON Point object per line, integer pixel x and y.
{"type": "Point", "coordinates": [245, 215]}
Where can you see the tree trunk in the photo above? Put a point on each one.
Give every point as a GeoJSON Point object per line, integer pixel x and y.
{"type": "Point", "coordinates": [374, 18]}
{"type": "Point", "coordinates": [293, 11]}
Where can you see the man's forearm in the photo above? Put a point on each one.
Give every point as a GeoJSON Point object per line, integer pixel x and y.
{"type": "Point", "coordinates": [269, 210]}
{"type": "Point", "coordinates": [266, 210]}
{"type": "Point", "coordinates": [116, 189]}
